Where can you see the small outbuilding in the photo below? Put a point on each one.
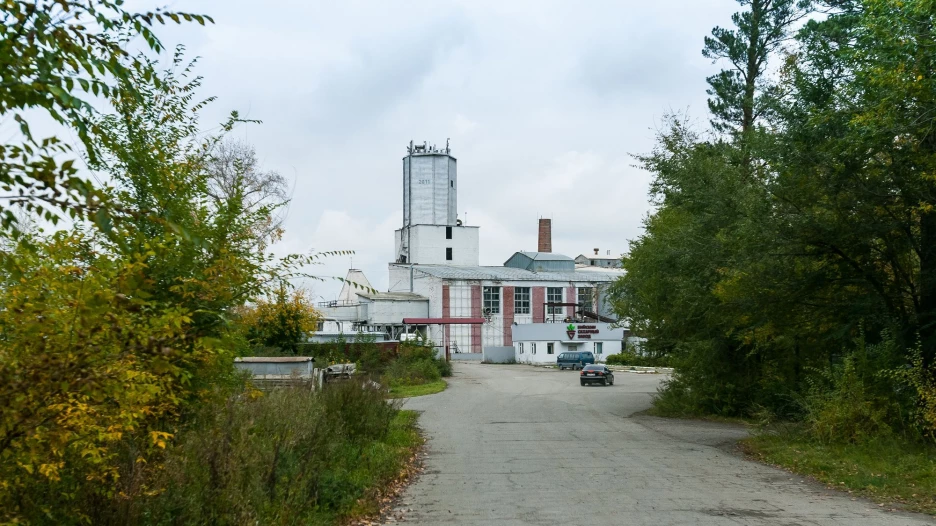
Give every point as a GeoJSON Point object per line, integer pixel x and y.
{"type": "Point", "coordinates": [541, 343]}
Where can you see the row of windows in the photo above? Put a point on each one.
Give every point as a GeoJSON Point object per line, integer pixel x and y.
{"type": "Point", "coordinates": [492, 303]}
{"type": "Point", "coordinates": [550, 349]}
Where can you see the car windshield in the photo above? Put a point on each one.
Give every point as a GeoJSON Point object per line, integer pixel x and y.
{"type": "Point", "coordinates": [593, 368]}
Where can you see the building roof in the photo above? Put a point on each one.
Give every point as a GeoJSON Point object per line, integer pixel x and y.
{"type": "Point", "coordinates": [540, 262]}
{"type": "Point", "coordinates": [354, 283]}
{"type": "Point", "coordinates": [393, 296]}
{"type": "Point", "coordinates": [545, 256]}
{"type": "Point", "coordinates": [586, 256]}
{"type": "Point", "coordinates": [511, 274]}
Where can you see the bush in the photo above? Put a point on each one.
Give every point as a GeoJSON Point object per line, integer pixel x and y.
{"type": "Point", "coordinates": [848, 411]}
{"type": "Point", "coordinates": [412, 373]}
{"type": "Point", "coordinates": [415, 365]}
{"type": "Point", "coordinates": [637, 360]}
{"type": "Point", "coordinates": [290, 456]}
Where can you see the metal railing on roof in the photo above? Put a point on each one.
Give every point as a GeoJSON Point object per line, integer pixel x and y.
{"type": "Point", "coordinates": [339, 303]}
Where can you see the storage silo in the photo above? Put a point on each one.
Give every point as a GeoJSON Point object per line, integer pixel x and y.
{"type": "Point", "coordinates": [430, 185]}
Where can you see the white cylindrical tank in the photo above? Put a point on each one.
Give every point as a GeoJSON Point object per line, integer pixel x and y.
{"type": "Point", "coordinates": [430, 185]}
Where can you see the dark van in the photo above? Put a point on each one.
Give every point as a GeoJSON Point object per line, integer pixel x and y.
{"type": "Point", "coordinates": [575, 359]}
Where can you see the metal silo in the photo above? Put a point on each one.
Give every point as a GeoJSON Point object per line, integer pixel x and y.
{"type": "Point", "coordinates": [430, 185]}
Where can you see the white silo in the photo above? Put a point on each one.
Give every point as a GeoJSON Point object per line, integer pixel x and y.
{"type": "Point", "coordinates": [431, 233]}
{"type": "Point", "coordinates": [430, 186]}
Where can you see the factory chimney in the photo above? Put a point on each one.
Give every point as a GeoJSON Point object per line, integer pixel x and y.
{"type": "Point", "coordinates": [545, 236]}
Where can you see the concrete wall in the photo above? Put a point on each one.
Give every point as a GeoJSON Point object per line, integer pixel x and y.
{"type": "Point", "coordinates": [499, 354]}
{"type": "Point", "coordinates": [537, 352]}
{"type": "Point", "coordinates": [428, 244]}
{"type": "Point", "coordinates": [380, 312]}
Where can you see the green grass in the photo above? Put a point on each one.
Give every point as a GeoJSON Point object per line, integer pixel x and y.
{"type": "Point", "coordinates": [888, 472]}
{"type": "Point", "coordinates": [386, 460]}
{"type": "Point", "coordinates": [409, 391]}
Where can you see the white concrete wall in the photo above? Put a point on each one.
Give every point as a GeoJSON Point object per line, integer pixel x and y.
{"type": "Point", "coordinates": [428, 245]}
{"type": "Point", "coordinates": [381, 312]}
{"type": "Point", "coordinates": [542, 356]}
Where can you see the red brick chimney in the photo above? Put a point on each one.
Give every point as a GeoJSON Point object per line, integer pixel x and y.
{"type": "Point", "coordinates": [545, 236]}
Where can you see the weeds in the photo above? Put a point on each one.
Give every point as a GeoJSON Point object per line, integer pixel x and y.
{"type": "Point", "coordinates": [291, 456]}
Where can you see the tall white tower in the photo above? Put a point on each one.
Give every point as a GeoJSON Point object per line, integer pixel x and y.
{"type": "Point", "coordinates": [430, 177]}
{"type": "Point", "coordinates": [432, 234]}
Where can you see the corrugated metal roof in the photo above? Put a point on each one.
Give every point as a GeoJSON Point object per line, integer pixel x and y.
{"type": "Point", "coordinates": [393, 296]}
{"type": "Point", "coordinates": [541, 262]}
{"type": "Point", "coordinates": [545, 256]}
{"type": "Point", "coordinates": [510, 274]}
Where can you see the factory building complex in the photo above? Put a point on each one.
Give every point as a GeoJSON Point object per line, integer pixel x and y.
{"type": "Point", "coordinates": [439, 290]}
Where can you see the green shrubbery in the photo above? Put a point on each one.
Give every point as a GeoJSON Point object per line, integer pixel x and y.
{"type": "Point", "coordinates": [289, 456]}
{"type": "Point", "coordinates": [638, 360]}
{"type": "Point", "coordinates": [414, 365]}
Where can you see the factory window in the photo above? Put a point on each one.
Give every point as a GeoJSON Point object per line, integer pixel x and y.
{"type": "Point", "coordinates": [522, 300]}
{"type": "Point", "coordinates": [585, 299]}
{"type": "Point", "coordinates": [520, 345]}
{"type": "Point", "coordinates": [448, 254]}
{"type": "Point", "coordinates": [598, 347]}
{"type": "Point", "coordinates": [492, 300]}
{"type": "Point", "coordinates": [448, 232]}
{"type": "Point", "coordinates": [554, 295]}
{"type": "Point", "coordinates": [452, 184]}
{"type": "Point", "coordinates": [549, 348]}
{"type": "Point", "coordinates": [533, 348]}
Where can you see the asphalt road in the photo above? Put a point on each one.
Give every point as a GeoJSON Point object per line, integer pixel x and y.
{"type": "Point", "coordinates": [514, 444]}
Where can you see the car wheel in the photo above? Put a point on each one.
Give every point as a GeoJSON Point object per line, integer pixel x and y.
{"type": "Point", "coordinates": [612, 381]}
{"type": "Point", "coordinates": [583, 383]}
{"type": "Point", "coordinates": [604, 383]}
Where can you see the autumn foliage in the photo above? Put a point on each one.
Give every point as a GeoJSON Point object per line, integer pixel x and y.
{"type": "Point", "coordinates": [118, 329]}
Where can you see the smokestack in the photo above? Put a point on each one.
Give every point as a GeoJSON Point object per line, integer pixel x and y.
{"type": "Point", "coordinates": [545, 236]}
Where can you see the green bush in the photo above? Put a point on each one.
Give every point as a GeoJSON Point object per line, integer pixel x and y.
{"type": "Point", "coordinates": [290, 456]}
{"type": "Point", "coordinates": [416, 365]}
{"type": "Point", "coordinates": [637, 360]}
{"type": "Point", "coordinates": [412, 373]}
{"type": "Point", "coordinates": [842, 408]}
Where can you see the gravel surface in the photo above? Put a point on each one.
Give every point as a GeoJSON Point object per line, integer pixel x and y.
{"type": "Point", "coordinates": [513, 444]}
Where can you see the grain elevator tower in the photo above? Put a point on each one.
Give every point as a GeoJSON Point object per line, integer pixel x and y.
{"type": "Point", "coordinates": [430, 204]}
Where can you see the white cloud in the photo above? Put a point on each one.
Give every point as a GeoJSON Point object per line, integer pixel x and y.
{"type": "Point", "coordinates": [543, 100]}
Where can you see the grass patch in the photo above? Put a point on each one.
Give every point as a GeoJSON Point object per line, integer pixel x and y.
{"type": "Point", "coordinates": [409, 391]}
{"type": "Point", "coordinates": [886, 471]}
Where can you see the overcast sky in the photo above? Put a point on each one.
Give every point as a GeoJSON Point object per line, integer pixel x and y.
{"type": "Point", "coordinates": [544, 101]}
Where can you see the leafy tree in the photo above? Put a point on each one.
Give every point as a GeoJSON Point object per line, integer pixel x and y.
{"type": "Point", "coordinates": [281, 321]}
{"type": "Point", "coordinates": [54, 56]}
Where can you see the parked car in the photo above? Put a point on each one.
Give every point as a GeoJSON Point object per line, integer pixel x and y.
{"type": "Point", "coordinates": [574, 359]}
{"type": "Point", "coordinates": [592, 374]}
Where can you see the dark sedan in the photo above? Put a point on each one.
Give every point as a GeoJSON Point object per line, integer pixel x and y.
{"type": "Point", "coordinates": [592, 374]}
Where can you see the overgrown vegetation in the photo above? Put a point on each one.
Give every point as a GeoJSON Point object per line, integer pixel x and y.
{"type": "Point", "coordinates": [636, 359]}
{"type": "Point", "coordinates": [789, 269]}
{"type": "Point", "coordinates": [119, 403]}
{"type": "Point", "coordinates": [291, 456]}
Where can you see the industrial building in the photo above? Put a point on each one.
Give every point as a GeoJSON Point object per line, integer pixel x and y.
{"type": "Point", "coordinates": [438, 288]}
